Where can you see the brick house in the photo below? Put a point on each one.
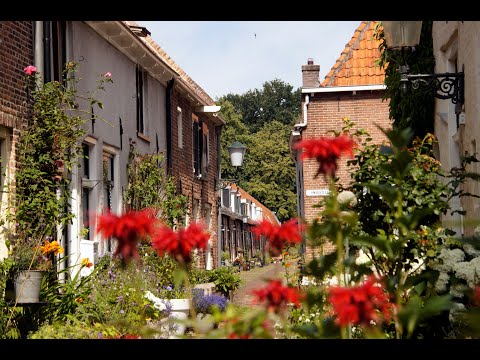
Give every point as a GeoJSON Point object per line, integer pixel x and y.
{"type": "Point", "coordinates": [152, 103]}
{"type": "Point", "coordinates": [16, 52]}
{"type": "Point", "coordinates": [239, 213]}
{"type": "Point", "coordinates": [354, 89]}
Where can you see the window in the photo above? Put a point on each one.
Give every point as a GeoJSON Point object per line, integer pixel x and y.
{"type": "Point", "coordinates": [55, 56]}
{"type": "Point", "coordinates": [208, 216]}
{"type": "Point", "coordinates": [180, 127]}
{"type": "Point", "coordinates": [59, 57]}
{"type": "Point", "coordinates": [200, 148]}
{"type": "Point", "coordinates": [86, 190]}
{"type": "Point", "coordinates": [226, 197]}
{"type": "Point", "coordinates": [196, 210]}
{"type": "Point", "coordinates": [108, 162]}
{"type": "Point", "coordinates": [196, 146]}
{"type": "Point", "coordinates": [140, 80]}
{"type": "Point", "coordinates": [204, 150]}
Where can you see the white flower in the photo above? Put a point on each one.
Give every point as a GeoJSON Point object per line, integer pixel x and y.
{"type": "Point", "coordinates": [442, 282]}
{"type": "Point", "coordinates": [455, 311]}
{"type": "Point", "coordinates": [470, 250]}
{"type": "Point", "coordinates": [468, 271]}
{"type": "Point", "coordinates": [362, 258]}
{"type": "Point", "coordinates": [457, 291]}
{"type": "Point", "coordinates": [158, 303]}
{"type": "Point", "coordinates": [347, 198]}
{"type": "Point", "coordinates": [449, 259]}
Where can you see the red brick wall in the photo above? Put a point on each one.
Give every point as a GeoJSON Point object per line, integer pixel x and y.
{"type": "Point", "coordinates": [325, 112]}
{"type": "Point", "coordinates": [182, 168]}
{"type": "Point", "coordinates": [16, 52]}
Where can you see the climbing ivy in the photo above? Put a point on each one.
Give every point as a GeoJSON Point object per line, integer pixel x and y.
{"type": "Point", "coordinates": [149, 186]}
{"type": "Point", "coordinates": [414, 109]}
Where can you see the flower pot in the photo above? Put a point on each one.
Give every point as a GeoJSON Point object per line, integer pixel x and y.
{"type": "Point", "coordinates": [174, 325]}
{"type": "Point", "coordinates": [28, 285]}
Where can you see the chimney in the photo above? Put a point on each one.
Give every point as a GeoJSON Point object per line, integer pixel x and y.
{"type": "Point", "coordinates": [310, 75]}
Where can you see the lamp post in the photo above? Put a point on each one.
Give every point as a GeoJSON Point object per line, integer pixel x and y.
{"type": "Point", "coordinates": [237, 152]}
{"type": "Point", "coordinates": [400, 35]}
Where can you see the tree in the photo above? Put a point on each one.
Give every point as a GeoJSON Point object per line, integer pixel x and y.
{"type": "Point", "coordinates": [269, 170]}
{"type": "Point", "coordinates": [234, 130]}
{"type": "Point", "coordinates": [275, 101]}
{"type": "Point", "coordinates": [415, 108]}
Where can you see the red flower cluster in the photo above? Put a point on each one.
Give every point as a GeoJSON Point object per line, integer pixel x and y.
{"type": "Point", "coordinates": [326, 151]}
{"type": "Point", "coordinates": [278, 235]}
{"type": "Point", "coordinates": [276, 296]}
{"type": "Point", "coordinates": [360, 304]}
{"type": "Point", "coordinates": [181, 243]}
{"type": "Point", "coordinates": [128, 229]}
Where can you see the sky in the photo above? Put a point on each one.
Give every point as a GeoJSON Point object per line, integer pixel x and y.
{"type": "Point", "coordinates": [237, 56]}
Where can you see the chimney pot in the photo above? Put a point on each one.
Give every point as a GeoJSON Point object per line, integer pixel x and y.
{"type": "Point", "coordinates": [310, 74]}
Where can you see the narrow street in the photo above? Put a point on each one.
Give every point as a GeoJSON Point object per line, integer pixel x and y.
{"type": "Point", "coordinates": [257, 278]}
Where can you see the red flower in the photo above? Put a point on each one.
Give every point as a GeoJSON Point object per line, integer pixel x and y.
{"type": "Point", "coordinates": [276, 296]}
{"type": "Point", "coordinates": [476, 294]}
{"type": "Point", "coordinates": [278, 235]}
{"type": "Point", "coordinates": [128, 229]}
{"type": "Point", "coordinates": [326, 151]}
{"type": "Point", "coordinates": [30, 69]}
{"type": "Point", "coordinates": [360, 304]}
{"type": "Point", "coordinates": [180, 244]}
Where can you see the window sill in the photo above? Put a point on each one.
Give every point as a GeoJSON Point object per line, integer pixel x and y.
{"type": "Point", "coordinates": [143, 137]}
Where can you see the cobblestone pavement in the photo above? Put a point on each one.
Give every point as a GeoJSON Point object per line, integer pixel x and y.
{"type": "Point", "coordinates": [257, 278]}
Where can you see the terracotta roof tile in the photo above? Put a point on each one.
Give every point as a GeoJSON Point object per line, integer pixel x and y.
{"type": "Point", "coordinates": [356, 64]}
{"type": "Point", "coordinates": [267, 214]}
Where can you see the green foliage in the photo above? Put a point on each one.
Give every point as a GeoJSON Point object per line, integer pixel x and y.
{"type": "Point", "coordinates": [149, 186]}
{"type": "Point", "coordinates": [275, 101]}
{"type": "Point", "coordinates": [49, 148]}
{"type": "Point", "coordinates": [74, 329]}
{"type": "Point", "coordinates": [226, 280]}
{"type": "Point", "coordinates": [269, 170]}
{"type": "Point", "coordinates": [415, 109]}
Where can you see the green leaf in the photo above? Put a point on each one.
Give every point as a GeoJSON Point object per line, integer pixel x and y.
{"type": "Point", "coordinates": [179, 275]}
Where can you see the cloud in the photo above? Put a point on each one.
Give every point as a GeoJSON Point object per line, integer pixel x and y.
{"type": "Point", "coordinates": [225, 56]}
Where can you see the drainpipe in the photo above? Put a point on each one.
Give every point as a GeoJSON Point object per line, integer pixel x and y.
{"type": "Point", "coordinates": [305, 107]}
{"type": "Point", "coordinates": [47, 75]}
{"type": "Point", "coordinates": [218, 133]}
{"type": "Point", "coordinates": [168, 106]}
{"type": "Point", "coordinates": [38, 55]}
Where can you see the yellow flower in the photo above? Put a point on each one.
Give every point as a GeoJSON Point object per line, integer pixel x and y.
{"type": "Point", "coordinates": [51, 247]}
{"type": "Point", "coordinates": [86, 262]}
{"type": "Point", "coordinates": [79, 300]}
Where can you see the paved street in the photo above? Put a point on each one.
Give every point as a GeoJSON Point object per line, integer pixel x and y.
{"type": "Point", "coordinates": [257, 278]}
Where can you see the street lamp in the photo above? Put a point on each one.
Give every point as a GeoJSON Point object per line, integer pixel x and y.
{"type": "Point", "coordinates": [237, 152]}
{"type": "Point", "coordinates": [400, 35]}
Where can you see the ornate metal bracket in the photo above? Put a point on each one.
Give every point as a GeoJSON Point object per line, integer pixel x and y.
{"type": "Point", "coordinates": [443, 86]}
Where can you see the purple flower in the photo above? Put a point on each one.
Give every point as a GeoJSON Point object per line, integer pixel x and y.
{"type": "Point", "coordinates": [120, 299]}
{"type": "Point", "coordinates": [204, 304]}
{"type": "Point", "coordinates": [122, 311]}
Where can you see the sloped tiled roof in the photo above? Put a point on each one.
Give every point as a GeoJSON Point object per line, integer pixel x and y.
{"type": "Point", "coordinates": [165, 57]}
{"type": "Point", "coordinates": [356, 64]}
{"type": "Point", "coordinates": [267, 214]}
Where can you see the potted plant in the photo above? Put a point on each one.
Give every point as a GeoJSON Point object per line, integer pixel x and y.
{"type": "Point", "coordinates": [32, 259]}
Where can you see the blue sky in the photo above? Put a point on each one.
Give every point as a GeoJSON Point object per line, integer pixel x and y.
{"type": "Point", "coordinates": [236, 56]}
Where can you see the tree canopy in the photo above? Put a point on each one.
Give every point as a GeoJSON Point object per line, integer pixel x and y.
{"type": "Point", "coordinates": [268, 171]}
